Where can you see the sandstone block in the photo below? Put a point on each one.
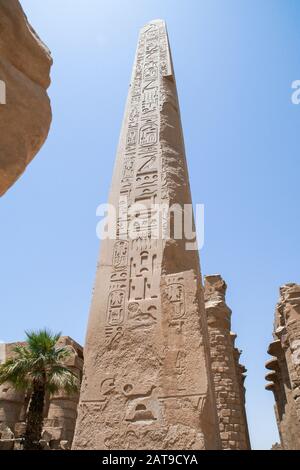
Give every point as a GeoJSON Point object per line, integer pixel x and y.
{"type": "Point", "coordinates": [26, 114]}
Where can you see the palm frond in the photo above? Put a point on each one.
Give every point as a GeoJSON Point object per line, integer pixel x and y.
{"type": "Point", "coordinates": [15, 371]}
{"type": "Point", "coordinates": [63, 351]}
{"type": "Point", "coordinates": [21, 350]}
{"type": "Point", "coordinates": [41, 341]}
{"type": "Point", "coordinates": [61, 378]}
{"type": "Point", "coordinates": [40, 360]}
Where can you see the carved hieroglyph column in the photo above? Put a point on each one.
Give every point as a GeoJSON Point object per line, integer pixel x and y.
{"type": "Point", "coordinates": [285, 366]}
{"type": "Point", "coordinates": [147, 378]}
{"type": "Point", "coordinates": [228, 373]}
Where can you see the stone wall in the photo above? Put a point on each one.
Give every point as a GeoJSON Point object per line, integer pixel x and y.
{"type": "Point", "coordinates": [228, 373]}
{"type": "Point", "coordinates": [284, 367]}
{"type": "Point", "coordinates": [11, 401]}
{"type": "Point", "coordinates": [60, 410]}
{"type": "Point", "coordinates": [25, 113]}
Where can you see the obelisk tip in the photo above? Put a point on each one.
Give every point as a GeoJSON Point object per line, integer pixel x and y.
{"type": "Point", "coordinates": [156, 22]}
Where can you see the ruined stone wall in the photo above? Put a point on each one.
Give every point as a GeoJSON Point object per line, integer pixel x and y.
{"type": "Point", "coordinates": [11, 400]}
{"type": "Point", "coordinates": [228, 373]}
{"type": "Point", "coordinates": [60, 409]}
{"type": "Point", "coordinates": [284, 367]}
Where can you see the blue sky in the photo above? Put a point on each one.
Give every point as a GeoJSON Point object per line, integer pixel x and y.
{"type": "Point", "coordinates": [234, 62]}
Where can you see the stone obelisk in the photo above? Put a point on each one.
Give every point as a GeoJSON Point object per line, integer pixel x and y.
{"type": "Point", "coordinates": [147, 378]}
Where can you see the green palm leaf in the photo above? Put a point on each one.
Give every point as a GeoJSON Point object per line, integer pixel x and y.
{"type": "Point", "coordinates": [39, 367]}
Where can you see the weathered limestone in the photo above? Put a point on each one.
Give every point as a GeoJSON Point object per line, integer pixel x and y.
{"type": "Point", "coordinates": [284, 375]}
{"type": "Point", "coordinates": [228, 373]}
{"type": "Point", "coordinates": [25, 114]}
{"type": "Point", "coordinates": [11, 400]}
{"type": "Point", "coordinates": [60, 410]}
{"type": "Point", "coordinates": [147, 382]}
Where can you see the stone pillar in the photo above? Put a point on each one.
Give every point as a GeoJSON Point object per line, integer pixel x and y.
{"type": "Point", "coordinates": [285, 366]}
{"type": "Point", "coordinates": [228, 374]}
{"type": "Point", "coordinates": [147, 382]}
{"type": "Point", "coordinates": [240, 372]}
{"type": "Point", "coordinates": [62, 412]}
{"type": "Point", "coordinates": [11, 400]}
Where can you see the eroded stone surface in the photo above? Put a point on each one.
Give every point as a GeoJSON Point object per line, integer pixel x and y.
{"type": "Point", "coordinates": [147, 382]}
{"type": "Point", "coordinates": [25, 117]}
{"type": "Point", "coordinates": [5, 432]}
{"type": "Point", "coordinates": [11, 400]}
{"type": "Point", "coordinates": [228, 373]}
{"type": "Point", "coordinates": [284, 367]}
{"type": "Point", "coordinates": [61, 408]}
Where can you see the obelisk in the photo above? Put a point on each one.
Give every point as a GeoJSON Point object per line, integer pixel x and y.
{"type": "Point", "coordinates": [147, 377]}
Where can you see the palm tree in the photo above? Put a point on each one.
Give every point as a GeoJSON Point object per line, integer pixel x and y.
{"type": "Point", "coordinates": [38, 367]}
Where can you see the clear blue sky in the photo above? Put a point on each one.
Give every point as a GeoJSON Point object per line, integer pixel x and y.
{"type": "Point", "coordinates": [235, 62]}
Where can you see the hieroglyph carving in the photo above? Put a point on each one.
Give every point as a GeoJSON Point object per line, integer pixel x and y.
{"type": "Point", "coordinates": [151, 396]}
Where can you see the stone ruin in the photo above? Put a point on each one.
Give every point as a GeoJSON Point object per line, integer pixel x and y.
{"type": "Point", "coordinates": [228, 373]}
{"type": "Point", "coordinates": [60, 410]}
{"type": "Point", "coordinates": [284, 367]}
